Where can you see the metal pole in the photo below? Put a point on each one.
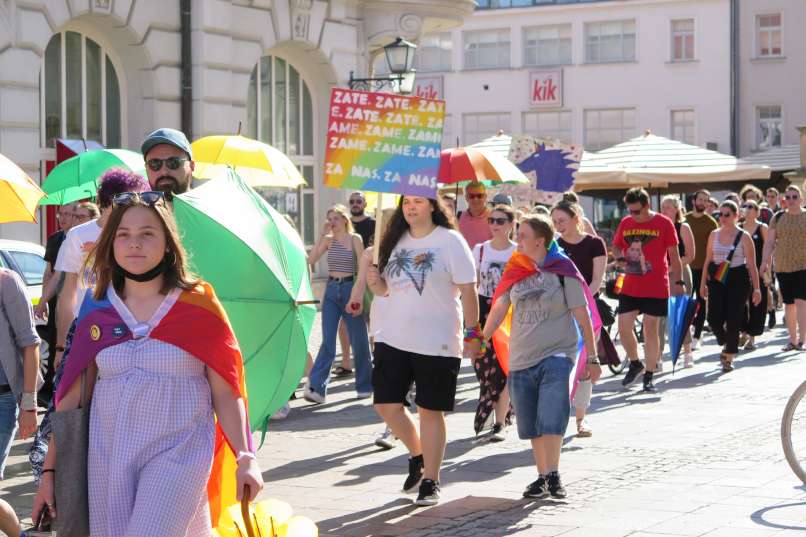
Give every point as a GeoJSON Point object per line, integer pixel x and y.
{"type": "Point", "coordinates": [186, 67]}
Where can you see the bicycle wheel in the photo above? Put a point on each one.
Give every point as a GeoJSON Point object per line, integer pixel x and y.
{"type": "Point", "coordinates": [793, 432]}
{"type": "Point", "coordinates": [619, 369]}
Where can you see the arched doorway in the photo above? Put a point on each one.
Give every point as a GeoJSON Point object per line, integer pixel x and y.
{"type": "Point", "coordinates": [280, 112]}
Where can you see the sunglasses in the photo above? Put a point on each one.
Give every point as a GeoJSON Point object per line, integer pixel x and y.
{"type": "Point", "coordinates": [150, 198]}
{"type": "Point", "coordinates": [173, 163]}
{"type": "Point", "coordinates": [791, 196]}
{"type": "Point", "coordinates": [475, 196]}
{"type": "Point", "coordinates": [748, 206]}
{"type": "Point", "coordinates": [498, 221]}
{"type": "Point", "coordinates": [356, 202]}
{"type": "Point", "coordinates": [725, 215]}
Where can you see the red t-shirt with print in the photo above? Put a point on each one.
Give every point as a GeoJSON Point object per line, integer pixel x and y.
{"type": "Point", "coordinates": [644, 246]}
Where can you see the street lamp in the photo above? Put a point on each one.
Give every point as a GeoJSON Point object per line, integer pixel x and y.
{"type": "Point", "coordinates": [399, 58]}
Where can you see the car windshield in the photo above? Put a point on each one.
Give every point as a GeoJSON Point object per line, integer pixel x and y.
{"type": "Point", "coordinates": [31, 265]}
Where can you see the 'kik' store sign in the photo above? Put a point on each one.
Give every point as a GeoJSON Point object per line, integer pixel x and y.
{"type": "Point", "coordinates": [546, 88]}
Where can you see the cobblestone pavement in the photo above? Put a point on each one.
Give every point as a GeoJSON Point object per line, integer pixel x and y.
{"type": "Point", "coordinates": [701, 457]}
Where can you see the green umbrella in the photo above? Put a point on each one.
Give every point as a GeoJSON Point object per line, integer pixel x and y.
{"type": "Point", "coordinates": [77, 177]}
{"type": "Point", "coordinates": [256, 262]}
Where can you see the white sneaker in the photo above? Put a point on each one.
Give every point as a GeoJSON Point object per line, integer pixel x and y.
{"type": "Point", "coordinates": [695, 343]}
{"type": "Point", "coordinates": [363, 395]}
{"type": "Point", "coordinates": [386, 440]}
{"type": "Point", "coordinates": [282, 413]}
{"type": "Point", "coordinates": [311, 396]}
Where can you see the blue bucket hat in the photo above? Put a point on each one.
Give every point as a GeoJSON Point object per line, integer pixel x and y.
{"type": "Point", "coordinates": [167, 136]}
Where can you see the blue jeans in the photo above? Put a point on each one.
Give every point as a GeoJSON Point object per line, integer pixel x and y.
{"type": "Point", "coordinates": [8, 426]}
{"type": "Point", "coordinates": [337, 295]}
{"type": "Point", "coordinates": [540, 397]}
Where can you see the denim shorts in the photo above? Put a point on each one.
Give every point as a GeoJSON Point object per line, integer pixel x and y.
{"type": "Point", "coordinates": [540, 396]}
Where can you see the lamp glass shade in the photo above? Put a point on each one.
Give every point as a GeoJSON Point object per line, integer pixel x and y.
{"type": "Point", "coordinates": [400, 55]}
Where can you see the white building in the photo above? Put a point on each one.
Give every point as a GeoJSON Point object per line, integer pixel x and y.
{"type": "Point", "coordinates": [112, 71]}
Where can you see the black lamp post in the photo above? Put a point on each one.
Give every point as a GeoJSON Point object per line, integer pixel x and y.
{"type": "Point", "coordinates": [399, 58]}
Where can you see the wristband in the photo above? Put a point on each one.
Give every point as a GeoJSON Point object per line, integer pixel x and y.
{"type": "Point", "coordinates": [594, 361]}
{"type": "Point", "coordinates": [28, 401]}
{"type": "Point", "coordinates": [245, 455]}
{"type": "Point", "coordinates": [59, 348]}
{"type": "Point", "coordinates": [475, 334]}
{"type": "Point", "coordinates": [49, 471]}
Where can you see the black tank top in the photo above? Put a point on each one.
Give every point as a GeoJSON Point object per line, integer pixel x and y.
{"type": "Point", "coordinates": [681, 248]}
{"type": "Point", "coordinates": [758, 242]}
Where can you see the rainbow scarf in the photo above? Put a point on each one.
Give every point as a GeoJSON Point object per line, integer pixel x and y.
{"type": "Point", "coordinates": [521, 266]}
{"type": "Point", "coordinates": [197, 324]}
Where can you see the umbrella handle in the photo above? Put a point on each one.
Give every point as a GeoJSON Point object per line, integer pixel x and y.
{"type": "Point", "coordinates": [247, 519]}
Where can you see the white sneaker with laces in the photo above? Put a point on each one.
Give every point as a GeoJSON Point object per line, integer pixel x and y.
{"type": "Point", "coordinates": [386, 440]}
{"type": "Point", "coordinates": [282, 413]}
{"type": "Point", "coordinates": [311, 396]}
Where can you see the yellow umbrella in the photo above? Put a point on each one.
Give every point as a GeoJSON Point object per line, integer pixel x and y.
{"type": "Point", "coordinates": [19, 194]}
{"type": "Point", "coordinates": [257, 163]}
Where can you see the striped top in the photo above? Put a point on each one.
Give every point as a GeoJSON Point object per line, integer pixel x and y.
{"type": "Point", "coordinates": [339, 258]}
{"type": "Point", "coordinates": [721, 252]}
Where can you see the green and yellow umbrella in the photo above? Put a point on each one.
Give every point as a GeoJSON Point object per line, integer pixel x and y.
{"type": "Point", "coordinates": [77, 177]}
{"type": "Point", "coordinates": [257, 264]}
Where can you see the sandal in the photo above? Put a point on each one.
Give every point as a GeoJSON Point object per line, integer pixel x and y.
{"type": "Point", "coordinates": [727, 365]}
{"type": "Point", "coordinates": [791, 347]}
{"type": "Point", "coordinates": [342, 372]}
{"type": "Point", "coordinates": [583, 431]}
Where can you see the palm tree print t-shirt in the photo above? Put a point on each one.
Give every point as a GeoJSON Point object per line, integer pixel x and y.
{"type": "Point", "coordinates": [423, 313]}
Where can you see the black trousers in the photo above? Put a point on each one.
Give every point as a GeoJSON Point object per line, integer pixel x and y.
{"type": "Point", "coordinates": [699, 319]}
{"type": "Point", "coordinates": [755, 316]}
{"type": "Point", "coordinates": [726, 307]}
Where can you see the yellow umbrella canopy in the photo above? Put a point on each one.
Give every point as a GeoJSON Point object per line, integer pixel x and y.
{"type": "Point", "coordinates": [19, 194]}
{"type": "Point", "coordinates": [256, 163]}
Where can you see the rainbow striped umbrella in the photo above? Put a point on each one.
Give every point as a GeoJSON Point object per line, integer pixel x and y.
{"type": "Point", "coordinates": [461, 165]}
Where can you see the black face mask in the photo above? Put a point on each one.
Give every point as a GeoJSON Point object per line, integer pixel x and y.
{"type": "Point", "coordinates": [146, 276]}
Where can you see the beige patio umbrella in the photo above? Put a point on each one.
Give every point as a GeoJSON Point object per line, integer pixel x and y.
{"type": "Point", "coordinates": [658, 162]}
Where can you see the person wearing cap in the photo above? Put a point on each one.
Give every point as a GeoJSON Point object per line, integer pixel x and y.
{"type": "Point", "coordinates": [502, 199]}
{"type": "Point", "coordinates": [169, 161]}
{"type": "Point", "coordinates": [473, 222]}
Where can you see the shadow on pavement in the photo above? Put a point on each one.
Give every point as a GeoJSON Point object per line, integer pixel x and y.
{"type": "Point", "coordinates": [793, 519]}
{"type": "Point", "coordinates": [400, 517]}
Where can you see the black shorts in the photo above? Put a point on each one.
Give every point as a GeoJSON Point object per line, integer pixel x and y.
{"type": "Point", "coordinates": [393, 371]}
{"type": "Point", "coordinates": [657, 307]}
{"type": "Point", "coordinates": [793, 285]}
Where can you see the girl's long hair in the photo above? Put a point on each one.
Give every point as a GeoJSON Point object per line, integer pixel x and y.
{"type": "Point", "coordinates": [398, 226]}
{"type": "Point", "coordinates": [101, 259]}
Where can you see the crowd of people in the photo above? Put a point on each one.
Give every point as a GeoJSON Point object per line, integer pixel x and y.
{"type": "Point", "coordinates": [445, 281]}
{"type": "Point", "coordinates": [521, 292]}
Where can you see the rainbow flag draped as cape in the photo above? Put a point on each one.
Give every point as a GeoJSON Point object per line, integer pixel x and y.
{"type": "Point", "coordinates": [521, 266]}
{"type": "Point", "coordinates": [197, 324]}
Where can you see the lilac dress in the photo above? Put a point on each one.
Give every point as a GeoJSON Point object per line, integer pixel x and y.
{"type": "Point", "coordinates": [152, 436]}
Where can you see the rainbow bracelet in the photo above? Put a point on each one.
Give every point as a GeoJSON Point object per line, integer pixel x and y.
{"type": "Point", "coordinates": [475, 334]}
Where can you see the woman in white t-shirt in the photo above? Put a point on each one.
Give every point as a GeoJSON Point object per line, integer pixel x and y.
{"type": "Point", "coordinates": [490, 258]}
{"type": "Point", "coordinates": [426, 271]}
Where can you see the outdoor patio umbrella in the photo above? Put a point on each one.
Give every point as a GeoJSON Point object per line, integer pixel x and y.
{"type": "Point", "coordinates": [257, 264]}
{"type": "Point", "coordinates": [462, 165]}
{"type": "Point", "coordinates": [681, 314]}
{"type": "Point", "coordinates": [657, 162]}
{"type": "Point", "coordinates": [77, 177]}
{"type": "Point", "coordinates": [257, 163]}
{"type": "Point", "coordinates": [19, 194]}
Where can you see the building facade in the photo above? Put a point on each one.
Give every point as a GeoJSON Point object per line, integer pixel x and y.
{"type": "Point", "coordinates": [112, 71]}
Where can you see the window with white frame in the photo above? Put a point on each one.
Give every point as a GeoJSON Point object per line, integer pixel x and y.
{"type": "Point", "coordinates": [279, 112]}
{"type": "Point", "coordinates": [610, 41]}
{"type": "Point", "coordinates": [547, 45]}
{"type": "Point", "coordinates": [434, 53]}
{"type": "Point", "coordinates": [79, 92]}
{"type": "Point", "coordinates": [769, 36]}
{"type": "Point", "coordinates": [684, 126]}
{"type": "Point", "coordinates": [682, 40]}
{"type": "Point", "coordinates": [448, 136]}
{"type": "Point", "coordinates": [477, 127]}
{"type": "Point", "coordinates": [486, 49]}
{"type": "Point", "coordinates": [608, 127]}
{"type": "Point", "coordinates": [769, 131]}
{"type": "Point", "coordinates": [553, 125]}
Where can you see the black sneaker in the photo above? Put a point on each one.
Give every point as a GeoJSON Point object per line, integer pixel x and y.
{"type": "Point", "coordinates": [632, 372]}
{"type": "Point", "coordinates": [429, 493]}
{"type": "Point", "coordinates": [649, 387]}
{"type": "Point", "coordinates": [415, 473]}
{"type": "Point", "coordinates": [771, 322]}
{"type": "Point", "coordinates": [555, 485]}
{"type": "Point", "coordinates": [497, 433]}
{"type": "Point", "coordinates": [537, 490]}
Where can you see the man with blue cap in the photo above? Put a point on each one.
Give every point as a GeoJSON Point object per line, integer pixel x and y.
{"type": "Point", "coordinates": [169, 161]}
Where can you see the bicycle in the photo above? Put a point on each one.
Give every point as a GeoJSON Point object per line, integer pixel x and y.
{"type": "Point", "coordinates": [793, 432]}
{"type": "Point", "coordinates": [639, 334]}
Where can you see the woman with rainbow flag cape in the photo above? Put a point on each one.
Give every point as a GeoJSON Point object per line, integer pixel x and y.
{"type": "Point", "coordinates": [730, 263]}
{"type": "Point", "coordinates": [165, 375]}
{"type": "Point", "coordinates": [542, 323]}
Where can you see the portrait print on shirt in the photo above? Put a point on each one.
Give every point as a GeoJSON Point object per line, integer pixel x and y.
{"type": "Point", "coordinates": [636, 261]}
{"type": "Point", "coordinates": [490, 277]}
{"type": "Point", "coordinates": [414, 264]}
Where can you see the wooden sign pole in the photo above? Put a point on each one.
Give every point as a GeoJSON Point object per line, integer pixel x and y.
{"type": "Point", "coordinates": [378, 229]}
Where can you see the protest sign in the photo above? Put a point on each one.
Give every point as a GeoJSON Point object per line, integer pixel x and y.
{"type": "Point", "coordinates": [382, 142]}
{"type": "Point", "coordinates": [550, 165]}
